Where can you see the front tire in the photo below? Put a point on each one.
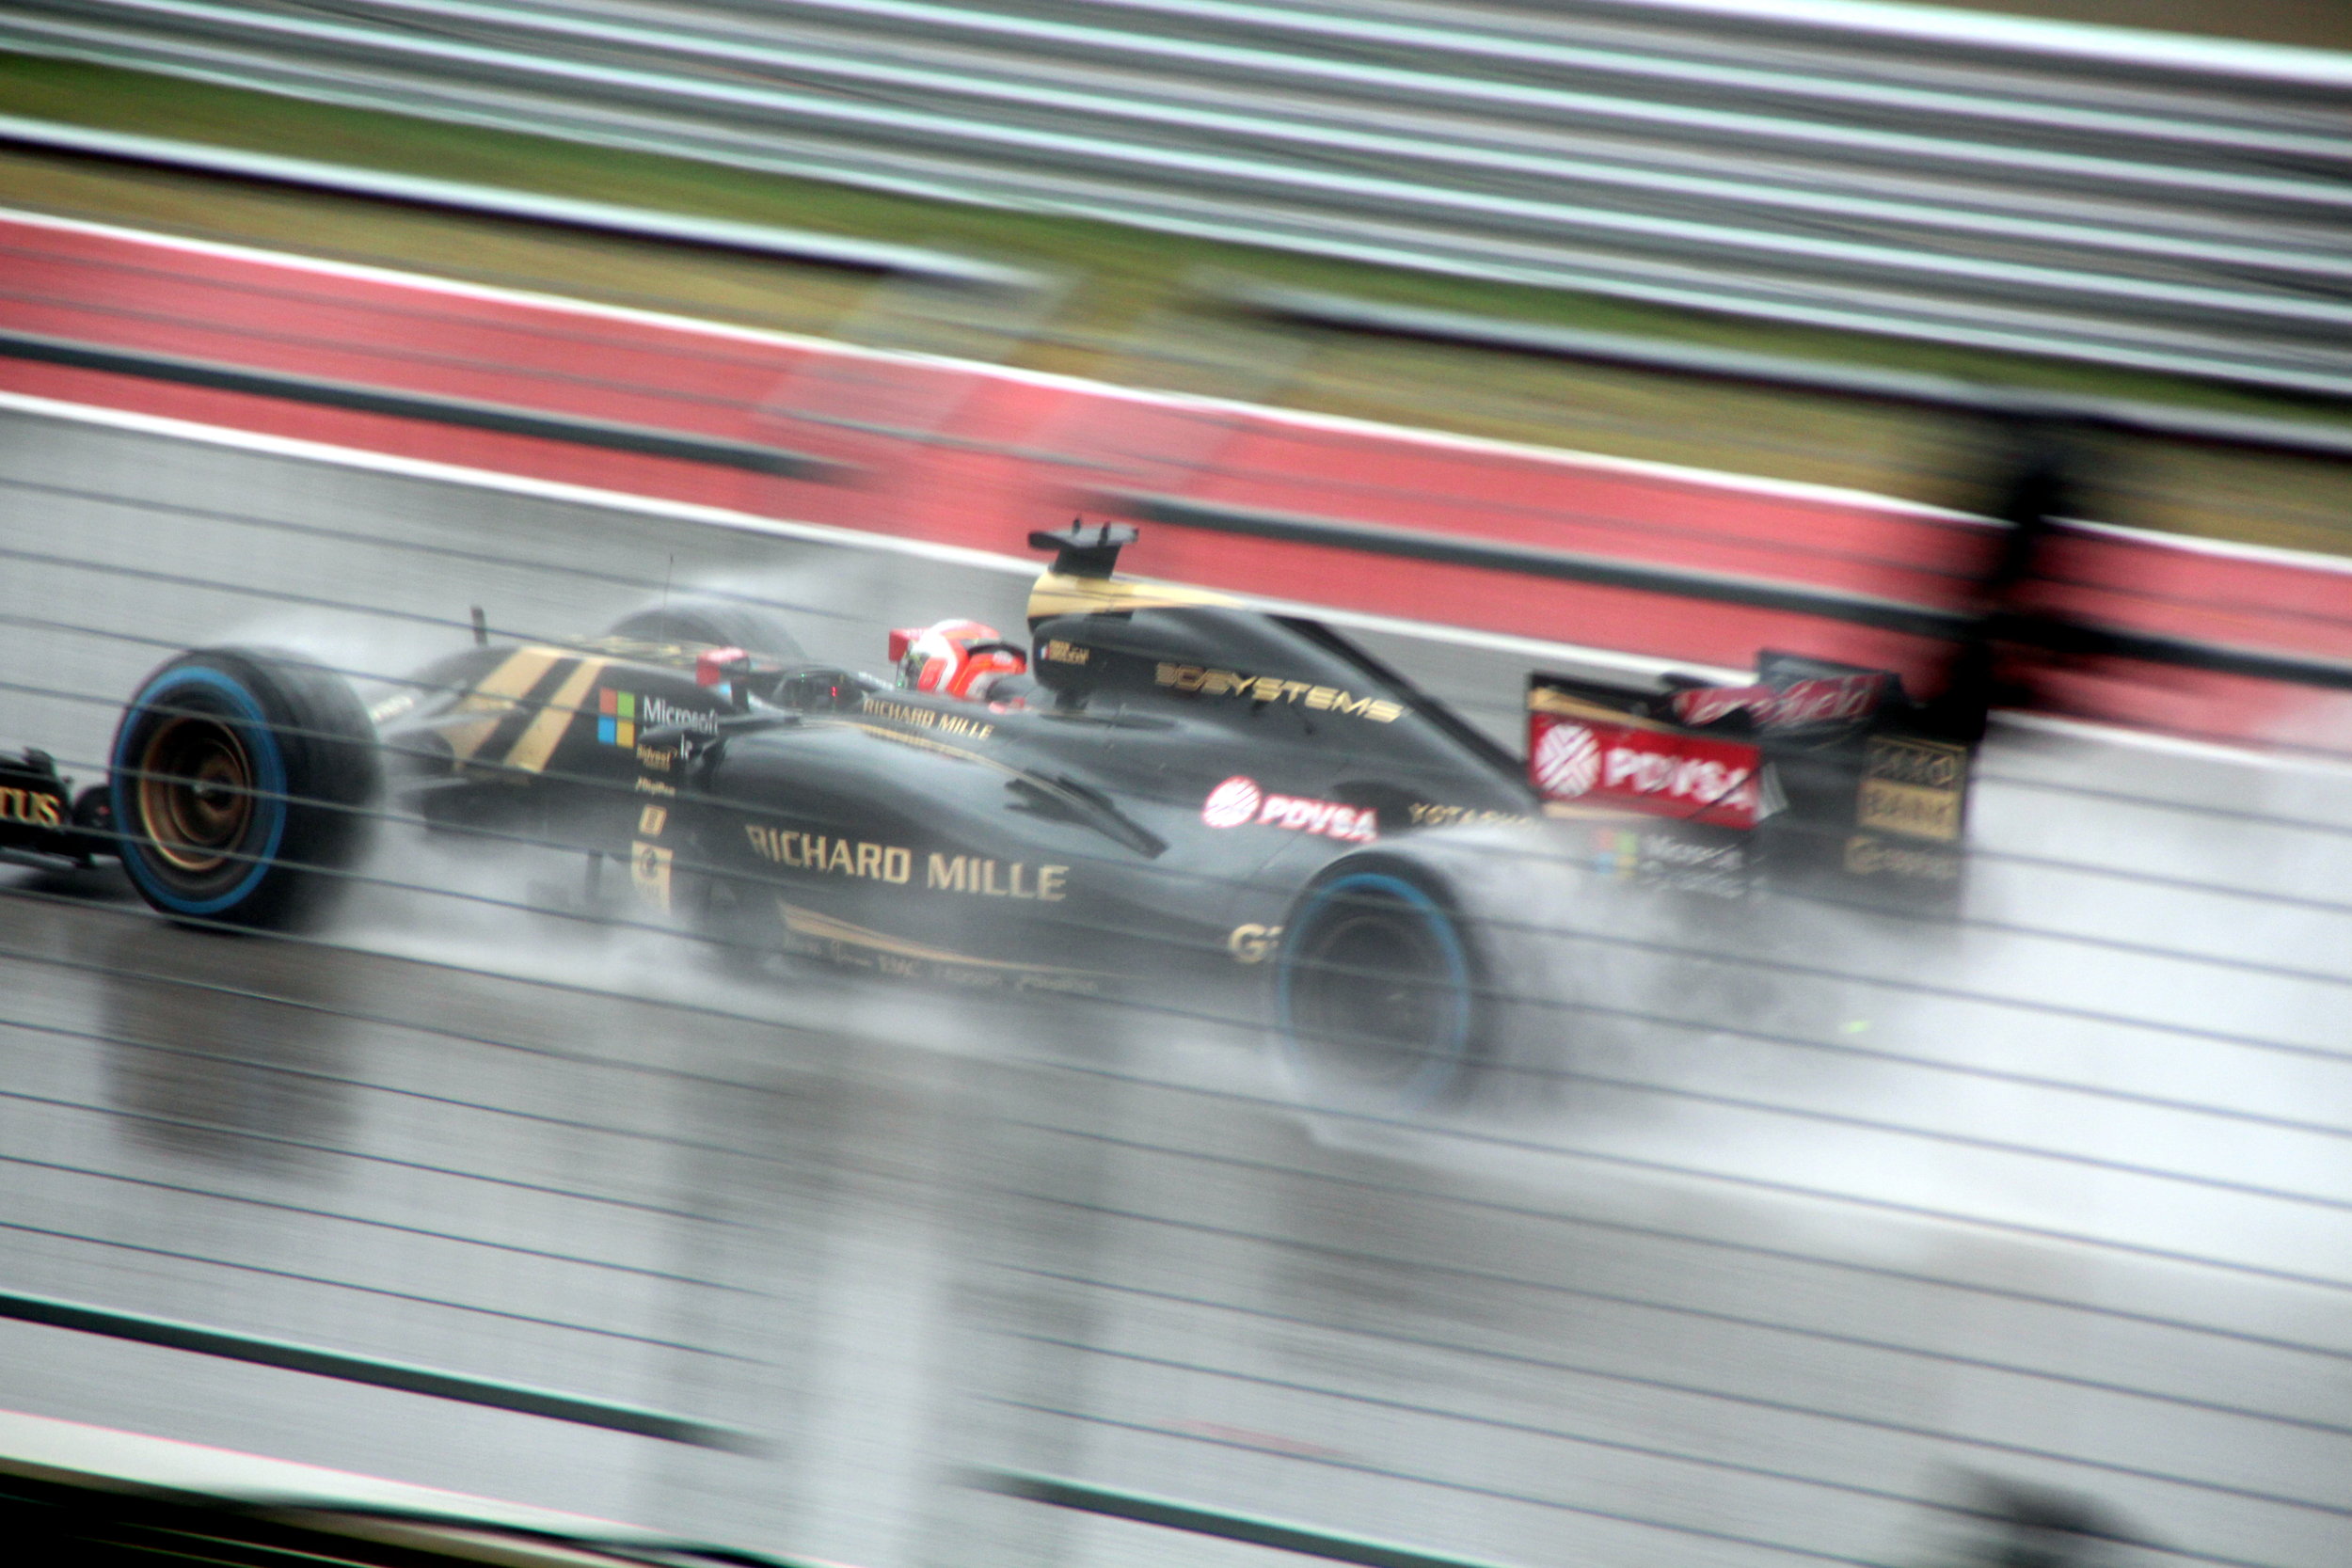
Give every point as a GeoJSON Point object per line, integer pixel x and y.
{"type": "Point", "coordinates": [241, 782]}
{"type": "Point", "coordinates": [734, 922]}
{"type": "Point", "coordinates": [1380, 994]}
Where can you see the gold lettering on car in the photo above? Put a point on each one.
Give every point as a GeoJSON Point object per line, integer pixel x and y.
{"type": "Point", "coordinates": [1867, 857]}
{"type": "Point", "coordinates": [29, 805]}
{"type": "Point", "coordinates": [979, 875]}
{"type": "Point", "coordinates": [1059, 652]}
{"type": "Point", "coordinates": [927, 719]}
{"type": "Point", "coordinates": [1901, 809]}
{"type": "Point", "coordinates": [653, 758]}
{"type": "Point", "coordinates": [1262, 689]}
{"type": "Point", "coordinates": [1426, 814]}
{"type": "Point", "coordinates": [833, 857]}
{"type": "Point", "coordinates": [1913, 787]}
{"type": "Point", "coordinates": [651, 820]}
{"type": "Point", "coordinates": [1253, 944]}
{"type": "Point", "coordinates": [1923, 763]}
{"type": "Point", "coordinates": [975, 876]}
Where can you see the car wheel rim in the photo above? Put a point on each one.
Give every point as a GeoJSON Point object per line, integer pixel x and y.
{"type": "Point", "coordinates": [195, 793]}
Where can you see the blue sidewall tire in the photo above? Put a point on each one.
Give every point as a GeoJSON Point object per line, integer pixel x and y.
{"type": "Point", "coordinates": [1445, 1065]}
{"type": "Point", "coordinates": [253, 729]}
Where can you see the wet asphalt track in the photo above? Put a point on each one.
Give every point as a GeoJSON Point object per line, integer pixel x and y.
{"type": "Point", "coordinates": [2059, 1197]}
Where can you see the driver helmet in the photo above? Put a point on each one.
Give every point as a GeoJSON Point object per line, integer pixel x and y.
{"type": "Point", "coordinates": [955, 659]}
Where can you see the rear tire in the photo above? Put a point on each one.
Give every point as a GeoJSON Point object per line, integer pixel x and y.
{"type": "Point", "coordinates": [1380, 994]}
{"type": "Point", "coordinates": [241, 786]}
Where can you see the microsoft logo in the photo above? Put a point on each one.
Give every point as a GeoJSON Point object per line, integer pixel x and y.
{"type": "Point", "coordinates": [616, 722]}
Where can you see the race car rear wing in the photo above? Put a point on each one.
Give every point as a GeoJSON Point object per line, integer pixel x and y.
{"type": "Point", "coordinates": [1813, 772]}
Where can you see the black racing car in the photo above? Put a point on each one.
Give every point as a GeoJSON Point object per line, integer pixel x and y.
{"type": "Point", "coordinates": [1186, 795]}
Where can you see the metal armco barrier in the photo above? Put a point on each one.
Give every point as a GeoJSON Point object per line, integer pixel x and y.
{"type": "Point", "coordinates": [603, 217]}
{"type": "Point", "coordinates": [2102, 198]}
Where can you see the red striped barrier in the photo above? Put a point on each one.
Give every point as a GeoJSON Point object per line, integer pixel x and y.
{"type": "Point", "coordinates": [975, 456]}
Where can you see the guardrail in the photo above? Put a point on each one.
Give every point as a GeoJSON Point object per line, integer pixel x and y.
{"type": "Point", "coordinates": [604, 217]}
{"type": "Point", "coordinates": [2133, 208]}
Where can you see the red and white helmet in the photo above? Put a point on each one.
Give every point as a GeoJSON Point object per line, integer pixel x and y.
{"type": "Point", "coordinates": [955, 659]}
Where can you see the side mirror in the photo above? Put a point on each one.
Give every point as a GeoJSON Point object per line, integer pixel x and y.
{"type": "Point", "coordinates": [728, 670]}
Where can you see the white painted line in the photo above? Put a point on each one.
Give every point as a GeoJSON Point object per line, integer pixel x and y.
{"type": "Point", "coordinates": [2225, 549]}
{"type": "Point", "coordinates": [1535, 650]}
{"type": "Point", "coordinates": [516, 484]}
{"type": "Point", "coordinates": [360, 271]}
{"type": "Point", "coordinates": [110, 1456]}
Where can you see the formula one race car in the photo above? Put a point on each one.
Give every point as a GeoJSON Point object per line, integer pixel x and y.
{"type": "Point", "coordinates": [1181, 793]}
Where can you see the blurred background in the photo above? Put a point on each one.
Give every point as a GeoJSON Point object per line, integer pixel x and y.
{"type": "Point", "coordinates": [2013, 1234]}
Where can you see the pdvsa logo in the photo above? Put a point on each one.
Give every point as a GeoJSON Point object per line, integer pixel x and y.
{"type": "Point", "coordinates": [1664, 773]}
{"type": "Point", "coordinates": [1239, 800]}
{"type": "Point", "coordinates": [1232, 802]}
{"type": "Point", "coordinates": [1568, 761]}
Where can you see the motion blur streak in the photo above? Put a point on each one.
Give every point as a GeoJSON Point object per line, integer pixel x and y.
{"type": "Point", "coordinates": [955, 453]}
{"type": "Point", "coordinates": [2105, 197]}
{"type": "Point", "coordinates": [1845, 1237]}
